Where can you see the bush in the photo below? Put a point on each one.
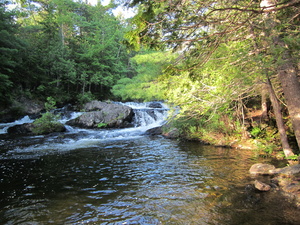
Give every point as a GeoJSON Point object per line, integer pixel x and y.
{"type": "Point", "coordinates": [48, 123]}
{"type": "Point", "coordinates": [85, 98]}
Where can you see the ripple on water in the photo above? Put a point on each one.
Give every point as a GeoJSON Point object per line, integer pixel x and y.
{"type": "Point", "coordinates": [137, 181]}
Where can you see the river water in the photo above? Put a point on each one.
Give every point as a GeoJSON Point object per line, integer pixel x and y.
{"type": "Point", "coordinates": [125, 177]}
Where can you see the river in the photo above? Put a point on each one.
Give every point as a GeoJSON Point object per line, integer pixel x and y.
{"type": "Point", "coordinates": [125, 177]}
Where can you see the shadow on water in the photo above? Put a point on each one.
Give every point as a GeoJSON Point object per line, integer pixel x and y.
{"type": "Point", "coordinates": [139, 181]}
{"type": "Point", "coordinates": [91, 177]}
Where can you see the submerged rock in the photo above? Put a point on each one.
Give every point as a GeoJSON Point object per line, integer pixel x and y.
{"type": "Point", "coordinates": [287, 178]}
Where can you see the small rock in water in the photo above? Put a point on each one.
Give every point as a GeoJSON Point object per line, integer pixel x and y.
{"type": "Point", "coordinates": [261, 186]}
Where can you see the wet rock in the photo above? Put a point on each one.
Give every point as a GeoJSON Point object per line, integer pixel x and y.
{"type": "Point", "coordinates": [261, 186]}
{"type": "Point", "coordinates": [107, 115]}
{"type": "Point", "coordinates": [155, 105]}
{"type": "Point", "coordinates": [154, 131]}
{"type": "Point", "coordinates": [261, 169]}
{"type": "Point", "coordinates": [25, 128]}
{"type": "Point", "coordinates": [28, 128]}
{"type": "Point", "coordinates": [293, 187]}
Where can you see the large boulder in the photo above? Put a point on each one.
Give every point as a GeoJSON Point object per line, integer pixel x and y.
{"type": "Point", "coordinates": [95, 106]}
{"type": "Point", "coordinates": [101, 114]}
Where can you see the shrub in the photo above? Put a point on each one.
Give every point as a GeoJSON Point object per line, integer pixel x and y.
{"type": "Point", "coordinates": [46, 124]}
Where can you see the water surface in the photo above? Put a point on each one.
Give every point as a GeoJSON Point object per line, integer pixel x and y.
{"type": "Point", "coordinates": [125, 177]}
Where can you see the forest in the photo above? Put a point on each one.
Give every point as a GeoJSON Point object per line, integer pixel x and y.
{"type": "Point", "coordinates": [231, 67]}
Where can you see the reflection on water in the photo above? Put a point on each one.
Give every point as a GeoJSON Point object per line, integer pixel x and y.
{"type": "Point", "coordinates": [143, 180]}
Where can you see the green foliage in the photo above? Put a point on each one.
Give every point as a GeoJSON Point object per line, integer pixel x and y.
{"type": "Point", "coordinates": [101, 125]}
{"type": "Point", "coordinates": [49, 121]}
{"type": "Point", "coordinates": [85, 97]}
{"type": "Point", "coordinates": [11, 47]}
{"type": "Point", "coordinates": [293, 157]}
{"type": "Point", "coordinates": [146, 85]}
{"type": "Point", "coordinates": [50, 104]}
{"type": "Point", "coordinates": [46, 124]}
{"type": "Point", "coordinates": [255, 132]}
{"type": "Point", "coordinates": [61, 48]}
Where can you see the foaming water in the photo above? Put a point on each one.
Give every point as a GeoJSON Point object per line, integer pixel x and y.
{"type": "Point", "coordinates": [5, 126]}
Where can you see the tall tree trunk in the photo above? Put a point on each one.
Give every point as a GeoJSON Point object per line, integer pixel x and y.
{"type": "Point", "coordinates": [287, 73]}
{"type": "Point", "coordinates": [279, 120]}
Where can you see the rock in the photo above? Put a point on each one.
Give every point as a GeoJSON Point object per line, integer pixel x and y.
{"type": "Point", "coordinates": [31, 107]}
{"type": "Point", "coordinates": [154, 131]}
{"type": "Point", "coordinates": [292, 187]}
{"type": "Point", "coordinates": [288, 170]}
{"type": "Point", "coordinates": [95, 106]}
{"type": "Point", "coordinates": [261, 169]}
{"type": "Point", "coordinates": [261, 186]}
{"type": "Point", "coordinates": [107, 115]}
{"type": "Point", "coordinates": [155, 105]}
{"type": "Point", "coordinates": [25, 128]}
{"type": "Point", "coordinates": [19, 109]}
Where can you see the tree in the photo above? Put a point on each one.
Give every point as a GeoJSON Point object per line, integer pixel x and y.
{"type": "Point", "coordinates": [287, 68]}
{"type": "Point", "coordinates": [198, 28]}
{"type": "Point", "coordinates": [73, 49]}
{"type": "Point", "coordinates": [11, 47]}
{"type": "Point", "coordinates": [145, 85]}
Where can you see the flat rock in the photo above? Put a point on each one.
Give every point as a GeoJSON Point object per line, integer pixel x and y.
{"type": "Point", "coordinates": [261, 169]}
{"type": "Point", "coordinates": [288, 170]}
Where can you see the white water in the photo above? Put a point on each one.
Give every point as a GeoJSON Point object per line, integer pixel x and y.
{"type": "Point", "coordinates": [145, 118]}
{"type": "Point", "coordinates": [5, 126]}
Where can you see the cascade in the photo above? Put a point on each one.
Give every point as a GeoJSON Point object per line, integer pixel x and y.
{"type": "Point", "coordinates": [144, 119]}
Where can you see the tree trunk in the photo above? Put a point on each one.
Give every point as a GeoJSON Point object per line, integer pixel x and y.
{"type": "Point", "coordinates": [264, 107]}
{"type": "Point", "coordinates": [279, 120]}
{"type": "Point", "coordinates": [287, 73]}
